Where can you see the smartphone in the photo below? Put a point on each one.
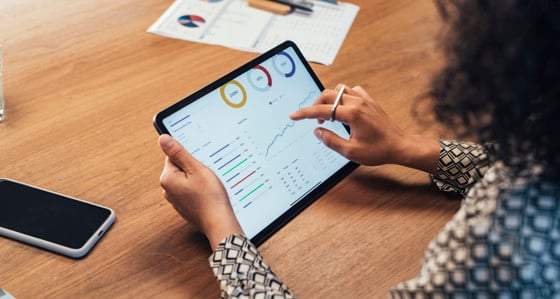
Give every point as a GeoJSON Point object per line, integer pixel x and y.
{"type": "Point", "coordinates": [49, 220]}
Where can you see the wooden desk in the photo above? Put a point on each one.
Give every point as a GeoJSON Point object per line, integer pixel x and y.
{"type": "Point", "coordinates": [82, 81]}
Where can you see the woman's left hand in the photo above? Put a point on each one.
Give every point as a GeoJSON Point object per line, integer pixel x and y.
{"type": "Point", "coordinates": [196, 193]}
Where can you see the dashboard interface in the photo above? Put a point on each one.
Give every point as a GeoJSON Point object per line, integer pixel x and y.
{"type": "Point", "coordinates": [242, 131]}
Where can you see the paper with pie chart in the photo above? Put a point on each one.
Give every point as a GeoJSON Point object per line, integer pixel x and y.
{"type": "Point", "coordinates": [266, 161]}
{"type": "Point", "coordinates": [234, 24]}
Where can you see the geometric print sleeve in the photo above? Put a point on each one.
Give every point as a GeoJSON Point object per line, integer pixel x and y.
{"type": "Point", "coordinates": [504, 242]}
{"type": "Point", "coordinates": [242, 272]}
{"type": "Point", "coordinates": [460, 166]}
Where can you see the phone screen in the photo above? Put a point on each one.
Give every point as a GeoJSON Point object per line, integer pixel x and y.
{"type": "Point", "coordinates": [49, 216]}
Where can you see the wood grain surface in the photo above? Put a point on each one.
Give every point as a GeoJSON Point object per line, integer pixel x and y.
{"type": "Point", "coordinates": [82, 81]}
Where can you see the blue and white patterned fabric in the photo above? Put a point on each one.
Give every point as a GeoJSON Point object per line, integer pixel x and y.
{"type": "Point", "coordinates": [504, 242]}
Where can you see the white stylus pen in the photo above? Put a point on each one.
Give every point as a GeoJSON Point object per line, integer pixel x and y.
{"type": "Point", "coordinates": [336, 102]}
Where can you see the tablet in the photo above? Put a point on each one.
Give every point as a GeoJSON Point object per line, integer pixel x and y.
{"type": "Point", "coordinates": [271, 166]}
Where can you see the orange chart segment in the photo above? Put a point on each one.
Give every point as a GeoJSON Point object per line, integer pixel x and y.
{"type": "Point", "coordinates": [233, 94]}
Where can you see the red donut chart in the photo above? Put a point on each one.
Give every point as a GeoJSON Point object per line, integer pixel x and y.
{"type": "Point", "coordinates": [256, 77]}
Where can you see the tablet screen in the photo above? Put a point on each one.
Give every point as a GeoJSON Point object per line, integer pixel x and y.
{"type": "Point", "coordinates": [239, 126]}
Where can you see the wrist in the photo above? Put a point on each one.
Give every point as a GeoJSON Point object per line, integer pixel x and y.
{"type": "Point", "coordinates": [418, 152]}
{"type": "Point", "coordinates": [217, 232]}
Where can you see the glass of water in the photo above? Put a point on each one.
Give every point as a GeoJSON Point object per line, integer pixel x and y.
{"type": "Point", "coordinates": [1, 89]}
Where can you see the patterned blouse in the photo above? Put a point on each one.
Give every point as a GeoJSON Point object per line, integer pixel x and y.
{"type": "Point", "coordinates": [504, 242]}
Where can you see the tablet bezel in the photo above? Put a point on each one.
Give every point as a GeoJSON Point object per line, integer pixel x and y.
{"type": "Point", "coordinates": [310, 197]}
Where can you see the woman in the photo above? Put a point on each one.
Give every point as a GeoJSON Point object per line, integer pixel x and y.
{"type": "Point", "coordinates": [500, 85]}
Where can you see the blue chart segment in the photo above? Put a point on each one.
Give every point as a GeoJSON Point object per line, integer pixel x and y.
{"type": "Point", "coordinates": [284, 64]}
{"type": "Point", "coordinates": [238, 170]}
{"type": "Point", "coordinates": [289, 125]}
{"type": "Point", "coordinates": [191, 21]}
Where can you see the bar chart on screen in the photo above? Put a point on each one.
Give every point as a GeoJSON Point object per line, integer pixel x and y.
{"type": "Point", "coordinates": [236, 165]}
{"type": "Point", "coordinates": [241, 130]}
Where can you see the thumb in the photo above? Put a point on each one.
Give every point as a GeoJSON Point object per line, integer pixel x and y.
{"type": "Point", "coordinates": [176, 152]}
{"type": "Point", "coordinates": [331, 140]}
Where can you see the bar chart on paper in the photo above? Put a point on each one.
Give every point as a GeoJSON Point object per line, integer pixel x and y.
{"type": "Point", "coordinates": [319, 35]}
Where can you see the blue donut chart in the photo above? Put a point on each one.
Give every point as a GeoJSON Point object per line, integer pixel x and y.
{"type": "Point", "coordinates": [277, 67]}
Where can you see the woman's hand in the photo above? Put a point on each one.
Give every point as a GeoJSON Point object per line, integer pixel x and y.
{"type": "Point", "coordinates": [196, 193]}
{"type": "Point", "coordinates": [375, 139]}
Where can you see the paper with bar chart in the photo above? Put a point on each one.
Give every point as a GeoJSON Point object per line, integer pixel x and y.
{"type": "Point", "coordinates": [234, 24]}
{"type": "Point", "coordinates": [266, 161]}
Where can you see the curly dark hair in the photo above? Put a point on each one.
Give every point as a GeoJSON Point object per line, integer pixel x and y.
{"type": "Point", "coordinates": [501, 82]}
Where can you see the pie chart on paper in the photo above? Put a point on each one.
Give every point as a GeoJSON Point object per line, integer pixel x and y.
{"type": "Point", "coordinates": [191, 21]}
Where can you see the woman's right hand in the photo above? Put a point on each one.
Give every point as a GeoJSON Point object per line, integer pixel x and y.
{"type": "Point", "coordinates": [375, 139]}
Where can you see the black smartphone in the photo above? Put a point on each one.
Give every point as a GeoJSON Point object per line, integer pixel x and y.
{"type": "Point", "coordinates": [49, 220]}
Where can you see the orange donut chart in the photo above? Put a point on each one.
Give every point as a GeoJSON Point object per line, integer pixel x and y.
{"type": "Point", "coordinates": [227, 97]}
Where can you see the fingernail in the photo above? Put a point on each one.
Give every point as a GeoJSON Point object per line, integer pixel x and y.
{"type": "Point", "coordinates": [166, 141]}
{"type": "Point", "coordinates": [319, 134]}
